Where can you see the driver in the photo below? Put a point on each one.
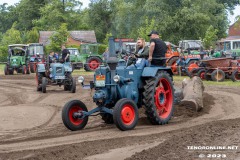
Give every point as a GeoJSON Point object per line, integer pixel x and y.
{"type": "Point", "coordinates": [141, 53]}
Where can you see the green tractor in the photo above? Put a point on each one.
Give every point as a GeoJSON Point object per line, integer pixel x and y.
{"type": "Point", "coordinates": [88, 57]}
{"type": "Point", "coordinates": [17, 59]}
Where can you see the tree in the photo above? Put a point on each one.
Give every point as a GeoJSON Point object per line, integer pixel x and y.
{"type": "Point", "coordinates": [99, 18]}
{"type": "Point", "coordinates": [58, 38]}
{"type": "Point", "coordinates": [145, 29]}
{"type": "Point", "coordinates": [210, 37]}
{"type": "Point", "coordinates": [27, 11]}
{"type": "Point", "coordinates": [12, 36]}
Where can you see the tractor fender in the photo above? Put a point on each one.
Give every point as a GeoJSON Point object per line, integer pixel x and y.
{"type": "Point", "coordinates": [152, 71]}
{"type": "Point", "coordinates": [191, 59]}
{"type": "Point", "coordinates": [41, 68]}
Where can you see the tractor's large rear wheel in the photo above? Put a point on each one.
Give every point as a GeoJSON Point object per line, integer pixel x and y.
{"type": "Point", "coordinates": [69, 112]}
{"type": "Point", "coordinates": [92, 63]}
{"type": "Point", "coordinates": [235, 76]}
{"type": "Point", "coordinates": [32, 67]}
{"type": "Point", "coordinates": [44, 84]}
{"type": "Point", "coordinates": [125, 114]}
{"type": "Point", "coordinates": [158, 98]}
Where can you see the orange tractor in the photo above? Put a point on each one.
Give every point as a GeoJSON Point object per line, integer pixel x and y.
{"type": "Point", "coordinates": [172, 56]}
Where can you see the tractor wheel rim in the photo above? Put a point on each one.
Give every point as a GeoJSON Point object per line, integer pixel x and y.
{"type": "Point", "coordinates": [219, 76]}
{"type": "Point", "coordinates": [75, 121]}
{"type": "Point", "coordinates": [202, 75]}
{"type": "Point", "coordinates": [25, 70]}
{"type": "Point", "coordinates": [192, 66]}
{"type": "Point", "coordinates": [163, 98]}
{"type": "Point", "coordinates": [93, 64]}
{"type": "Point", "coordinates": [127, 114]}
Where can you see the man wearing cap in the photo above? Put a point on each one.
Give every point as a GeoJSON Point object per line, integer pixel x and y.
{"type": "Point", "coordinates": [157, 50]}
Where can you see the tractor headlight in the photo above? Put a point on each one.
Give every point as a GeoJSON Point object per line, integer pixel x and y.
{"type": "Point", "coordinates": [50, 69]}
{"type": "Point", "coordinates": [80, 79]}
{"type": "Point", "coordinates": [116, 78]}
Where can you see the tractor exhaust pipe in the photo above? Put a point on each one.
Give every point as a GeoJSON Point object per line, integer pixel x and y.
{"type": "Point", "coordinates": [112, 60]}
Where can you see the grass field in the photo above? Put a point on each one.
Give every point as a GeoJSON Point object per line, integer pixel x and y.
{"type": "Point", "coordinates": [2, 68]}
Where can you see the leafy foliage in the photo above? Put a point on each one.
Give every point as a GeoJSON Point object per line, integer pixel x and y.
{"type": "Point", "coordinates": [58, 38]}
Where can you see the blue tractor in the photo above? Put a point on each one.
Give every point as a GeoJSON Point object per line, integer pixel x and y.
{"type": "Point", "coordinates": [120, 90]}
{"type": "Point", "coordinates": [55, 74]}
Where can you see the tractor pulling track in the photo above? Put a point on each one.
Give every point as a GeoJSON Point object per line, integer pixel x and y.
{"type": "Point", "coordinates": [31, 127]}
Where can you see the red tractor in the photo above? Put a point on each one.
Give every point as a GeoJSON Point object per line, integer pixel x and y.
{"type": "Point", "coordinates": [172, 56]}
{"type": "Point", "coordinates": [36, 55]}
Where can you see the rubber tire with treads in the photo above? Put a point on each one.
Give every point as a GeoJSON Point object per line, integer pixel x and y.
{"type": "Point", "coordinates": [28, 69]}
{"type": "Point", "coordinates": [235, 76]}
{"type": "Point", "coordinates": [214, 75]}
{"type": "Point", "coordinates": [88, 61]}
{"type": "Point", "coordinates": [68, 121]}
{"type": "Point", "coordinates": [73, 86]}
{"type": "Point", "coordinates": [32, 67]}
{"type": "Point", "coordinates": [131, 111]}
{"type": "Point", "coordinates": [172, 61]}
{"type": "Point", "coordinates": [201, 73]}
{"type": "Point", "coordinates": [149, 98]}
{"type": "Point", "coordinates": [44, 84]}
{"type": "Point", "coordinates": [39, 81]}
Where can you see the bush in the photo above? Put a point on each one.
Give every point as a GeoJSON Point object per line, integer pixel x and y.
{"type": "Point", "coordinates": [3, 53]}
{"type": "Point", "coordinates": [102, 48]}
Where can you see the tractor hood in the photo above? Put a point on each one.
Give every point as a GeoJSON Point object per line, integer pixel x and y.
{"type": "Point", "coordinates": [16, 60]}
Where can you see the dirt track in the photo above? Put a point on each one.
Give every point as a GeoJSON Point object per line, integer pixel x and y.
{"type": "Point", "coordinates": [31, 127]}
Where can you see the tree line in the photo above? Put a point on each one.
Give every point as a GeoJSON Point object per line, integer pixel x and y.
{"type": "Point", "coordinates": [173, 19]}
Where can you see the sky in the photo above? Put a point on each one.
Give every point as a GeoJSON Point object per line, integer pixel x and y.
{"type": "Point", "coordinates": [86, 2]}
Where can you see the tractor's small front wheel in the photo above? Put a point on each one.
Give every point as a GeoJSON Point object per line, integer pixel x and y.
{"type": "Point", "coordinates": [201, 73]}
{"type": "Point", "coordinates": [73, 85]}
{"type": "Point", "coordinates": [125, 114]}
{"type": "Point", "coordinates": [44, 84]}
{"type": "Point", "coordinates": [71, 115]}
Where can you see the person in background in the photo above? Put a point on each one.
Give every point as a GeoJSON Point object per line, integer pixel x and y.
{"type": "Point", "coordinates": [51, 57]}
{"type": "Point", "coordinates": [157, 50]}
{"type": "Point", "coordinates": [65, 54]}
{"type": "Point", "coordinates": [56, 56]}
{"type": "Point", "coordinates": [105, 55]}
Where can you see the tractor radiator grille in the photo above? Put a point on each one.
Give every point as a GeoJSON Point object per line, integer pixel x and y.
{"type": "Point", "coordinates": [59, 70]}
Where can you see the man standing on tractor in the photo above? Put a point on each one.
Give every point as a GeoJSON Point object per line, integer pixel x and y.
{"type": "Point", "coordinates": [65, 54]}
{"type": "Point", "coordinates": [157, 50]}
